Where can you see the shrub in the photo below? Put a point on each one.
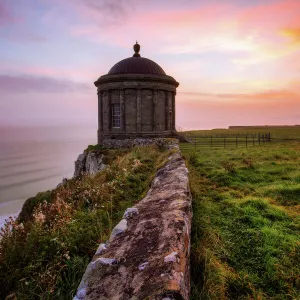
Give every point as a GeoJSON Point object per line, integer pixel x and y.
{"type": "Point", "coordinates": [93, 148]}
{"type": "Point", "coordinates": [31, 203]}
{"type": "Point", "coordinates": [229, 166]}
{"type": "Point", "coordinates": [249, 163]}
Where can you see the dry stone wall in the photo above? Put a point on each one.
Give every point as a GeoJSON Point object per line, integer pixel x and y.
{"type": "Point", "coordinates": [147, 255]}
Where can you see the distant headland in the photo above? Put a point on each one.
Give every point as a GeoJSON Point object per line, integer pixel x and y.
{"type": "Point", "coordinates": [261, 126]}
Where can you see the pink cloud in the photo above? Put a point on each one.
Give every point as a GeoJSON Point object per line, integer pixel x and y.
{"type": "Point", "coordinates": [264, 95]}
{"type": "Point", "coordinates": [161, 28]}
{"type": "Point", "coordinates": [101, 13]}
{"type": "Point", "coordinates": [272, 14]}
{"type": "Point", "coordinates": [23, 36]}
{"type": "Point", "coordinates": [88, 73]}
{"type": "Point", "coordinates": [24, 84]}
{"type": "Point", "coordinates": [220, 27]}
{"type": "Point", "coordinates": [16, 17]}
{"type": "Point", "coordinates": [6, 16]}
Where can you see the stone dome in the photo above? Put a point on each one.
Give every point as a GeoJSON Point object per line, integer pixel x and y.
{"type": "Point", "coordinates": [136, 65]}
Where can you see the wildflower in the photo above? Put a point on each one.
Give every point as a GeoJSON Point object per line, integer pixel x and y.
{"type": "Point", "coordinates": [136, 163]}
{"type": "Point", "coordinates": [39, 217]}
{"type": "Point", "coordinates": [67, 256]}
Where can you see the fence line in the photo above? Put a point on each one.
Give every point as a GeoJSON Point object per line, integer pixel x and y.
{"type": "Point", "coordinates": [222, 140]}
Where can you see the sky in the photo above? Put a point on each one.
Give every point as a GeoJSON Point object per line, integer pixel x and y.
{"type": "Point", "coordinates": [237, 61]}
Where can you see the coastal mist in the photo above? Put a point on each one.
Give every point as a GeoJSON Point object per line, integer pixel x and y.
{"type": "Point", "coordinates": [35, 159]}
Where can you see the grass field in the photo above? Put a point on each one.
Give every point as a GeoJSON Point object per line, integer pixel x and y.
{"type": "Point", "coordinates": [280, 132]}
{"type": "Point", "coordinates": [240, 137]}
{"type": "Point", "coordinates": [246, 224]}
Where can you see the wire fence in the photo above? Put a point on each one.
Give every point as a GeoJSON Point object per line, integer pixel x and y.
{"type": "Point", "coordinates": [224, 140]}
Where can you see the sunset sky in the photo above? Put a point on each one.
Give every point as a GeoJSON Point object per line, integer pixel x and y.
{"type": "Point", "coordinates": [237, 61]}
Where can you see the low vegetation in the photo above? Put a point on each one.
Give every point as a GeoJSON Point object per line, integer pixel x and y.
{"type": "Point", "coordinates": [44, 253]}
{"type": "Point", "coordinates": [277, 132]}
{"type": "Point", "coordinates": [246, 222]}
{"type": "Point", "coordinates": [245, 230]}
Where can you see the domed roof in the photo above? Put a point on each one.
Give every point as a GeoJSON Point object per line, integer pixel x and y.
{"type": "Point", "coordinates": [136, 65]}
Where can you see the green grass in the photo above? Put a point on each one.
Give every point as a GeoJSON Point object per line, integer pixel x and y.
{"type": "Point", "coordinates": [43, 254]}
{"type": "Point", "coordinates": [240, 137]}
{"type": "Point", "coordinates": [278, 132]}
{"type": "Point", "coordinates": [246, 223]}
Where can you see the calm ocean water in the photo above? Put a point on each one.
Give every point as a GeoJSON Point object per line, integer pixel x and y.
{"type": "Point", "coordinates": [36, 160]}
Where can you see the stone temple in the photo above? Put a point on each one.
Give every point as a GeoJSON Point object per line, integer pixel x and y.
{"type": "Point", "coordinates": [136, 99]}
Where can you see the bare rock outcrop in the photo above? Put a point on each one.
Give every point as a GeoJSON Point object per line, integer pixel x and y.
{"type": "Point", "coordinates": [89, 163]}
{"type": "Point", "coordinates": [147, 255]}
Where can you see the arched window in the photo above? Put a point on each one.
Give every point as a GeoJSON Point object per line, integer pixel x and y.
{"type": "Point", "coordinates": [116, 115]}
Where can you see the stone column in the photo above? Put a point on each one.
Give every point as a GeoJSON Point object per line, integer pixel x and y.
{"type": "Point", "coordinates": [167, 111]}
{"type": "Point", "coordinates": [139, 109]}
{"type": "Point", "coordinates": [109, 111]}
{"type": "Point", "coordinates": [173, 111]}
{"type": "Point", "coordinates": [99, 111]}
{"type": "Point", "coordinates": [122, 108]}
{"type": "Point", "coordinates": [99, 132]}
{"type": "Point", "coordinates": [154, 103]}
{"type": "Point", "coordinates": [170, 111]}
{"type": "Point", "coordinates": [104, 103]}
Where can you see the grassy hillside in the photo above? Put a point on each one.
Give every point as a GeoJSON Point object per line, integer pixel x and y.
{"type": "Point", "coordinates": [246, 223]}
{"type": "Point", "coordinates": [44, 254]}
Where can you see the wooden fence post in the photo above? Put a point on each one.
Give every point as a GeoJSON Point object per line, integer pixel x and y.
{"type": "Point", "coordinates": [246, 140]}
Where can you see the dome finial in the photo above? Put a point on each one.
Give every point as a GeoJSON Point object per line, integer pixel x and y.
{"type": "Point", "coordinates": [136, 49]}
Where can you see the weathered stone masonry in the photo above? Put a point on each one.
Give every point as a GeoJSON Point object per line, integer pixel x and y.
{"type": "Point", "coordinates": [147, 107]}
{"type": "Point", "coordinates": [147, 255]}
{"type": "Point", "coordinates": [145, 97]}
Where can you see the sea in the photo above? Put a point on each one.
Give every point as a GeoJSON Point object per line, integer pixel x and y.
{"type": "Point", "coordinates": [36, 159]}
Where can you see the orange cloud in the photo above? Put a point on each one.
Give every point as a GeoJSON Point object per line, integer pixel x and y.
{"type": "Point", "coordinates": [294, 34]}
{"type": "Point", "coordinates": [264, 95]}
{"type": "Point", "coordinates": [208, 113]}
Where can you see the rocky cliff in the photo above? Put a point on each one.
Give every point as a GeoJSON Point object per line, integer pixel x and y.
{"type": "Point", "coordinates": [89, 163]}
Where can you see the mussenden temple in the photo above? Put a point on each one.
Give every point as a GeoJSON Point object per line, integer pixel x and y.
{"type": "Point", "coordinates": [136, 99]}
